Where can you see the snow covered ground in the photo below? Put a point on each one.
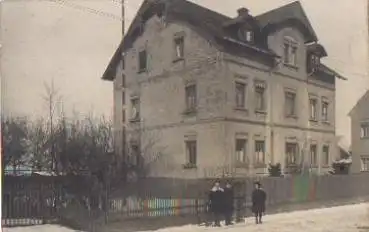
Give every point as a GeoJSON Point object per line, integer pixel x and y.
{"type": "Point", "coordinates": [350, 218]}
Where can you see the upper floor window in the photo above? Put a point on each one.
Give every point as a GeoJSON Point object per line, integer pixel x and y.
{"type": "Point", "coordinates": [179, 47]}
{"type": "Point", "coordinates": [313, 63]}
{"type": "Point", "coordinates": [325, 106]}
{"type": "Point", "coordinates": [290, 103]}
{"type": "Point", "coordinates": [313, 109]}
{"type": "Point", "coordinates": [364, 130]}
{"type": "Point", "coordinates": [289, 51]}
{"type": "Point", "coordinates": [240, 95]}
{"type": "Point", "coordinates": [142, 60]}
{"type": "Point", "coordinates": [249, 36]}
{"type": "Point", "coordinates": [260, 96]}
{"type": "Point", "coordinates": [190, 92]}
{"type": "Point", "coordinates": [246, 35]}
{"type": "Point", "coordinates": [135, 109]}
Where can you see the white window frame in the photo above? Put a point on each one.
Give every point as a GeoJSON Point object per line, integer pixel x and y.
{"type": "Point", "coordinates": [364, 163]}
{"type": "Point", "coordinates": [290, 48]}
{"type": "Point", "coordinates": [191, 100]}
{"type": "Point", "coordinates": [179, 43]}
{"type": "Point", "coordinates": [313, 109]}
{"type": "Point", "coordinates": [325, 110]}
{"type": "Point", "coordinates": [313, 156]}
{"type": "Point", "coordinates": [259, 152]}
{"type": "Point", "coordinates": [290, 110]}
{"type": "Point", "coordinates": [292, 159]}
{"type": "Point", "coordinates": [326, 159]}
{"type": "Point", "coordinates": [241, 105]}
{"type": "Point", "coordinates": [189, 159]}
{"type": "Point", "coordinates": [364, 130]}
{"type": "Point", "coordinates": [241, 156]}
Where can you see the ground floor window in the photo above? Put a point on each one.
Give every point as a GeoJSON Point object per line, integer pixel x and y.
{"type": "Point", "coordinates": [325, 155]}
{"type": "Point", "coordinates": [259, 152]}
{"type": "Point", "coordinates": [241, 148]}
{"type": "Point", "coordinates": [365, 164]}
{"type": "Point", "coordinates": [313, 155]}
{"type": "Point", "coordinates": [291, 153]}
{"type": "Point", "coordinates": [191, 152]}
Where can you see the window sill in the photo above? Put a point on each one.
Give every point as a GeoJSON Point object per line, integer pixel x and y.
{"type": "Point", "coordinates": [291, 66]}
{"type": "Point", "coordinates": [263, 112]}
{"type": "Point", "coordinates": [189, 166]}
{"type": "Point", "coordinates": [242, 109]}
{"type": "Point", "coordinates": [326, 122]}
{"type": "Point", "coordinates": [178, 59]}
{"type": "Point", "coordinates": [133, 120]}
{"type": "Point", "coordinates": [313, 120]}
{"type": "Point", "coordinates": [260, 165]}
{"type": "Point", "coordinates": [364, 138]}
{"type": "Point", "coordinates": [142, 70]}
{"type": "Point", "coordinates": [325, 166]}
{"type": "Point", "coordinates": [365, 171]}
{"type": "Point", "coordinates": [189, 112]}
{"type": "Point", "coordinates": [242, 165]}
{"type": "Point", "coordinates": [292, 116]}
{"type": "Point", "coordinates": [314, 166]}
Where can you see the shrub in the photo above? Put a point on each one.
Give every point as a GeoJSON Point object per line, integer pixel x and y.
{"type": "Point", "coordinates": [275, 170]}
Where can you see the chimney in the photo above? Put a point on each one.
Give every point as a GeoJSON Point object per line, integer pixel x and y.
{"type": "Point", "coordinates": [243, 12]}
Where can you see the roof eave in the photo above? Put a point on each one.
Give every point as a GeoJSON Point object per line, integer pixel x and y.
{"type": "Point", "coordinates": [249, 46]}
{"type": "Point", "coordinates": [109, 74]}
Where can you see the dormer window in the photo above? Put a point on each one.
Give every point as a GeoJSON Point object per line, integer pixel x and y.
{"type": "Point", "coordinates": [313, 62]}
{"type": "Point", "coordinates": [289, 51]}
{"type": "Point", "coordinates": [249, 35]}
{"type": "Point", "coordinates": [246, 35]}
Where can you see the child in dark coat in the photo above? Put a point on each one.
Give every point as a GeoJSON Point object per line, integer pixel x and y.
{"type": "Point", "coordinates": [228, 203]}
{"type": "Point", "coordinates": [216, 202]}
{"type": "Point", "coordinates": [258, 202]}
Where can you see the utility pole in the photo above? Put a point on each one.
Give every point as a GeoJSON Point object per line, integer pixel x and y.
{"type": "Point", "coordinates": [123, 16]}
{"type": "Point", "coordinates": [123, 141]}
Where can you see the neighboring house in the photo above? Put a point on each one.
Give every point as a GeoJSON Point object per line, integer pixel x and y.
{"type": "Point", "coordinates": [223, 95]}
{"type": "Point", "coordinates": [360, 135]}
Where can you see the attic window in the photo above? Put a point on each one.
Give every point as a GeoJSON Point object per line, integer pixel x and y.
{"type": "Point", "coordinates": [246, 35]}
{"type": "Point", "coordinates": [289, 51]}
{"type": "Point", "coordinates": [313, 63]}
{"type": "Point", "coordinates": [249, 35]}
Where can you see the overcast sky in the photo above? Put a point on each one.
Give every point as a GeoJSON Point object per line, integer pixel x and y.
{"type": "Point", "coordinates": [72, 41]}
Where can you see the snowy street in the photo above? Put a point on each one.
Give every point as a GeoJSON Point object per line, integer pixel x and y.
{"type": "Point", "coordinates": [350, 218]}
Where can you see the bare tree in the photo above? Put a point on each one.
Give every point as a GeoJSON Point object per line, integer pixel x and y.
{"type": "Point", "coordinates": [38, 148]}
{"type": "Point", "coordinates": [14, 141]}
{"type": "Point", "coordinates": [144, 151]}
{"type": "Point", "coordinates": [52, 99]}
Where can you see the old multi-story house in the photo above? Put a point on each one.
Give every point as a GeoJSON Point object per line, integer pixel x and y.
{"type": "Point", "coordinates": [201, 94]}
{"type": "Point", "coordinates": [360, 135]}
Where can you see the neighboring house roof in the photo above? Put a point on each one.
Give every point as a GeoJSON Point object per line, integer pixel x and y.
{"type": "Point", "coordinates": [364, 98]}
{"type": "Point", "coordinates": [330, 71]}
{"type": "Point", "coordinates": [210, 24]}
{"type": "Point", "coordinates": [288, 13]}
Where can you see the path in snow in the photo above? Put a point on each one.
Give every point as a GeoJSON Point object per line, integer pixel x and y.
{"type": "Point", "coordinates": [350, 218]}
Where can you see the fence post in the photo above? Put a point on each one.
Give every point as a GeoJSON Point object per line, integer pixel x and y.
{"type": "Point", "coordinates": [197, 211]}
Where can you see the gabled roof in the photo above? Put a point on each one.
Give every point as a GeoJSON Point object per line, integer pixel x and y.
{"type": "Point", "coordinates": [209, 23]}
{"type": "Point", "coordinates": [292, 12]}
{"type": "Point", "coordinates": [358, 103]}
